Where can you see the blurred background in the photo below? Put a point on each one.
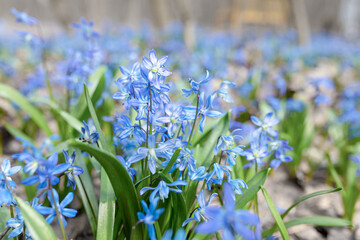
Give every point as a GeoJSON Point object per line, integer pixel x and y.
{"type": "Point", "coordinates": [307, 16]}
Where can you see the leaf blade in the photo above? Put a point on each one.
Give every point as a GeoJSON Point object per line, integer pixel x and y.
{"type": "Point", "coordinates": [313, 220]}
{"type": "Point", "coordinates": [254, 186]}
{"type": "Point", "coordinates": [38, 227]}
{"type": "Point", "coordinates": [311, 195]}
{"type": "Point", "coordinates": [122, 184]}
{"type": "Point", "coordinates": [15, 96]}
{"type": "Point", "coordinates": [276, 215]}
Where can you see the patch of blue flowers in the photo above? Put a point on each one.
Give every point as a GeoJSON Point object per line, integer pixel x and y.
{"type": "Point", "coordinates": [185, 149]}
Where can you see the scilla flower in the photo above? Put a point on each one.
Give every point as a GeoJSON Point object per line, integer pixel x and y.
{"type": "Point", "coordinates": [200, 211]}
{"type": "Point", "coordinates": [163, 189]}
{"type": "Point", "coordinates": [232, 222]}
{"type": "Point", "coordinates": [151, 215]}
{"type": "Point", "coordinates": [156, 66]}
{"type": "Point", "coordinates": [72, 170]}
{"type": "Point", "coordinates": [63, 212]}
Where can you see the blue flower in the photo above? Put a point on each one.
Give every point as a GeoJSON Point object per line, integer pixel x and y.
{"type": "Point", "coordinates": [153, 153]}
{"type": "Point", "coordinates": [280, 157]}
{"type": "Point", "coordinates": [5, 195]}
{"type": "Point", "coordinates": [294, 105]}
{"type": "Point", "coordinates": [163, 189]}
{"type": "Point", "coordinates": [151, 215]}
{"type": "Point", "coordinates": [86, 28]}
{"type": "Point", "coordinates": [266, 125]}
{"type": "Point", "coordinates": [179, 235]}
{"type": "Point", "coordinates": [203, 111]}
{"type": "Point", "coordinates": [280, 83]}
{"type": "Point", "coordinates": [195, 86]}
{"type": "Point", "coordinates": [322, 99]}
{"type": "Point", "coordinates": [87, 135]}
{"type": "Point", "coordinates": [174, 118]}
{"type": "Point", "coordinates": [200, 211]}
{"type": "Point", "coordinates": [47, 171]}
{"type": "Point", "coordinates": [231, 221]}
{"type": "Point", "coordinates": [129, 77]}
{"type": "Point", "coordinates": [127, 165]}
{"type": "Point", "coordinates": [256, 153]}
{"type": "Point", "coordinates": [197, 174]}
{"type": "Point", "coordinates": [18, 224]}
{"type": "Point", "coordinates": [23, 17]}
{"type": "Point", "coordinates": [233, 153]}
{"type": "Point", "coordinates": [5, 190]}
{"type": "Point", "coordinates": [237, 184]}
{"type": "Point", "coordinates": [156, 67]}
{"type": "Point", "coordinates": [63, 212]}
{"type": "Point", "coordinates": [226, 142]}
{"type": "Point", "coordinates": [72, 170]}
{"type": "Point", "coordinates": [123, 129]}
{"type": "Point", "coordinates": [217, 175]}
{"type": "Point", "coordinates": [356, 159]}
{"type": "Point", "coordinates": [223, 91]}
{"type": "Point", "coordinates": [7, 170]}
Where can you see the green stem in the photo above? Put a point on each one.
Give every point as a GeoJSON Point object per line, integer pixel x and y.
{"type": "Point", "coordinates": [193, 126]}
{"type": "Point", "coordinates": [256, 206]}
{"type": "Point", "coordinates": [57, 212]}
{"type": "Point", "coordinates": [87, 197]}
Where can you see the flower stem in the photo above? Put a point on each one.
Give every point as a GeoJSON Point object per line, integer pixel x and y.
{"type": "Point", "coordinates": [193, 126]}
{"type": "Point", "coordinates": [2, 235]}
{"type": "Point", "coordinates": [256, 206]}
{"type": "Point", "coordinates": [87, 197]}
{"type": "Point", "coordinates": [57, 212]}
{"type": "Point", "coordinates": [133, 230]}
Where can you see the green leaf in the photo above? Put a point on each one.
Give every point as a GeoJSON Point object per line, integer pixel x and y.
{"type": "Point", "coordinates": [72, 121]}
{"type": "Point", "coordinates": [95, 119]}
{"type": "Point", "coordinates": [309, 196]}
{"type": "Point", "coordinates": [97, 81]}
{"type": "Point", "coordinates": [172, 161]}
{"type": "Point", "coordinates": [86, 190]}
{"type": "Point", "coordinates": [335, 176]}
{"type": "Point", "coordinates": [13, 95]}
{"type": "Point", "coordinates": [106, 216]}
{"type": "Point", "coordinates": [38, 227]}
{"type": "Point", "coordinates": [178, 212]}
{"type": "Point", "coordinates": [122, 184]}
{"type": "Point", "coordinates": [4, 216]}
{"type": "Point", "coordinates": [313, 220]}
{"type": "Point", "coordinates": [17, 133]}
{"type": "Point", "coordinates": [254, 186]}
{"type": "Point", "coordinates": [221, 128]}
{"type": "Point", "coordinates": [276, 215]}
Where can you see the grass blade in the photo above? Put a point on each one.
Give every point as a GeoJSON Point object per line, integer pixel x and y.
{"type": "Point", "coordinates": [17, 133]}
{"type": "Point", "coordinates": [178, 212]}
{"type": "Point", "coordinates": [122, 184]}
{"type": "Point", "coordinates": [254, 186]}
{"type": "Point", "coordinates": [276, 215]}
{"type": "Point", "coordinates": [97, 81]}
{"type": "Point", "coordinates": [86, 190]}
{"type": "Point", "coordinates": [309, 196]}
{"type": "Point", "coordinates": [4, 216]}
{"type": "Point", "coordinates": [172, 161]}
{"type": "Point", "coordinates": [13, 95]}
{"type": "Point", "coordinates": [106, 216]}
{"type": "Point", "coordinates": [72, 121]}
{"type": "Point", "coordinates": [314, 220]}
{"type": "Point", "coordinates": [38, 227]}
{"type": "Point", "coordinates": [221, 128]}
